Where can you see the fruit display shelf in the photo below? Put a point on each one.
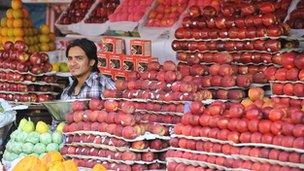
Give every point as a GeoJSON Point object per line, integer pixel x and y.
{"type": "Point", "coordinates": [46, 1]}
{"type": "Point", "coordinates": [112, 129]}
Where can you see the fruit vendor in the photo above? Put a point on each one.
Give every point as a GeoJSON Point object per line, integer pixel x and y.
{"type": "Point", "coordinates": [86, 82]}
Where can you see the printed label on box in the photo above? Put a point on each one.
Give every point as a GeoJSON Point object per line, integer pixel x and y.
{"type": "Point", "coordinates": [140, 47]}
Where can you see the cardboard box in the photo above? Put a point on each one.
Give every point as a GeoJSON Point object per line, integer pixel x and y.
{"type": "Point", "coordinates": [103, 61]}
{"type": "Point", "coordinates": [120, 75]}
{"type": "Point", "coordinates": [142, 63]}
{"type": "Point", "coordinates": [115, 62]}
{"type": "Point", "coordinates": [106, 72]}
{"type": "Point", "coordinates": [140, 48]}
{"type": "Point", "coordinates": [112, 45]}
{"type": "Point", "coordinates": [128, 63]}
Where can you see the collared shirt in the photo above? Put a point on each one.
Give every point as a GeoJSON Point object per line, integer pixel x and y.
{"type": "Point", "coordinates": [93, 87]}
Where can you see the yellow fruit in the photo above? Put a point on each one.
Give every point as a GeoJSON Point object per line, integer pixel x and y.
{"type": "Point", "coordinates": [18, 32]}
{"type": "Point", "coordinates": [16, 4]}
{"type": "Point", "coordinates": [30, 163]}
{"type": "Point", "coordinates": [44, 47]}
{"type": "Point", "coordinates": [32, 48]}
{"type": "Point", "coordinates": [3, 22]}
{"type": "Point", "coordinates": [70, 165]}
{"type": "Point", "coordinates": [52, 46]}
{"type": "Point", "coordinates": [10, 22]}
{"type": "Point", "coordinates": [44, 38]}
{"type": "Point", "coordinates": [18, 13]}
{"type": "Point", "coordinates": [25, 23]}
{"type": "Point", "coordinates": [4, 31]}
{"type": "Point", "coordinates": [44, 29]}
{"type": "Point", "coordinates": [99, 167]}
{"type": "Point", "coordinates": [60, 127]}
{"type": "Point", "coordinates": [25, 13]}
{"type": "Point", "coordinates": [17, 23]}
{"type": "Point", "coordinates": [52, 37]}
{"type": "Point", "coordinates": [12, 39]}
{"type": "Point", "coordinates": [58, 166]}
{"type": "Point", "coordinates": [9, 13]}
{"type": "Point", "coordinates": [10, 32]}
{"type": "Point", "coordinates": [55, 67]}
{"type": "Point", "coordinates": [31, 40]}
{"type": "Point", "coordinates": [50, 158]}
{"type": "Point", "coordinates": [41, 127]}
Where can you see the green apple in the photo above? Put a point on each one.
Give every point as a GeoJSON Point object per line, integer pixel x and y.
{"type": "Point", "coordinates": [22, 136]}
{"type": "Point", "coordinates": [27, 148]}
{"type": "Point", "coordinates": [46, 138]}
{"type": "Point", "coordinates": [10, 145]}
{"type": "Point", "coordinates": [14, 134]}
{"type": "Point", "coordinates": [57, 137]}
{"type": "Point", "coordinates": [39, 148]}
{"type": "Point", "coordinates": [52, 147]}
{"type": "Point", "coordinates": [33, 137]}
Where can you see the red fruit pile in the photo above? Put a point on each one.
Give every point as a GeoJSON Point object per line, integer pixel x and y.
{"type": "Point", "coordinates": [130, 10]}
{"type": "Point", "coordinates": [287, 80]}
{"type": "Point", "coordinates": [102, 11]}
{"type": "Point", "coordinates": [166, 13]}
{"type": "Point", "coordinates": [17, 66]}
{"type": "Point", "coordinates": [110, 126]}
{"type": "Point", "coordinates": [247, 128]}
{"type": "Point", "coordinates": [161, 83]}
{"type": "Point", "coordinates": [76, 11]}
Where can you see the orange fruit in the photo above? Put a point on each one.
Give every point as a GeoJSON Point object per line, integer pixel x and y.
{"type": "Point", "coordinates": [9, 13]}
{"type": "Point", "coordinates": [18, 13]}
{"type": "Point", "coordinates": [16, 4]}
{"type": "Point", "coordinates": [18, 32]}
{"type": "Point", "coordinates": [4, 31]}
{"type": "Point", "coordinates": [44, 29]}
{"type": "Point", "coordinates": [3, 22]}
{"type": "Point", "coordinates": [17, 23]}
{"type": "Point", "coordinates": [12, 39]}
{"type": "Point", "coordinates": [19, 38]}
{"type": "Point", "coordinates": [10, 22]}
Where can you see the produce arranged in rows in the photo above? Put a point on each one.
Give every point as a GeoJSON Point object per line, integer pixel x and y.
{"type": "Point", "coordinates": [166, 13]}
{"type": "Point", "coordinates": [257, 130]}
{"type": "Point", "coordinates": [76, 11]}
{"type": "Point", "coordinates": [111, 132]}
{"type": "Point", "coordinates": [102, 11]}
{"type": "Point", "coordinates": [130, 10]}
{"type": "Point", "coordinates": [28, 139]}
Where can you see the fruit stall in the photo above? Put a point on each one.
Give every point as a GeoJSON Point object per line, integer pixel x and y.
{"type": "Point", "coordinates": [200, 85]}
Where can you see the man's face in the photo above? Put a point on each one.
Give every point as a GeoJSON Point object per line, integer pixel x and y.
{"type": "Point", "coordinates": [78, 62]}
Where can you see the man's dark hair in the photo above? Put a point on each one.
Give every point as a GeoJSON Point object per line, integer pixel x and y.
{"type": "Point", "coordinates": [88, 47]}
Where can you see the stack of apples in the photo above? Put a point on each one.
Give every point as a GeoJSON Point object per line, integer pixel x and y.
{"type": "Point", "coordinates": [287, 80]}
{"type": "Point", "coordinates": [28, 140]}
{"type": "Point", "coordinates": [22, 74]}
{"type": "Point", "coordinates": [76, 11]}
{"type": "Point", "coordinates": [161, 83]}
{"type": "Point", "coordinates": [109, 132]}
{"type": "Point", "coordinates": [130, 10]}
{"type": "Point", "coordinates": [245, 34]}
{"type": "Point", "coordinates": [166, 13]}
{"type": "Point", "coordinates": [17, 26]}
{"type": "Point", "coordinates": [254, 134]}
{"type": "Point", "coordinates": [102, 11]}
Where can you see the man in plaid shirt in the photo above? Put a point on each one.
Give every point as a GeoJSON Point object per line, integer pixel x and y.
{"type": "Point", "coordinates": [86, 81]}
